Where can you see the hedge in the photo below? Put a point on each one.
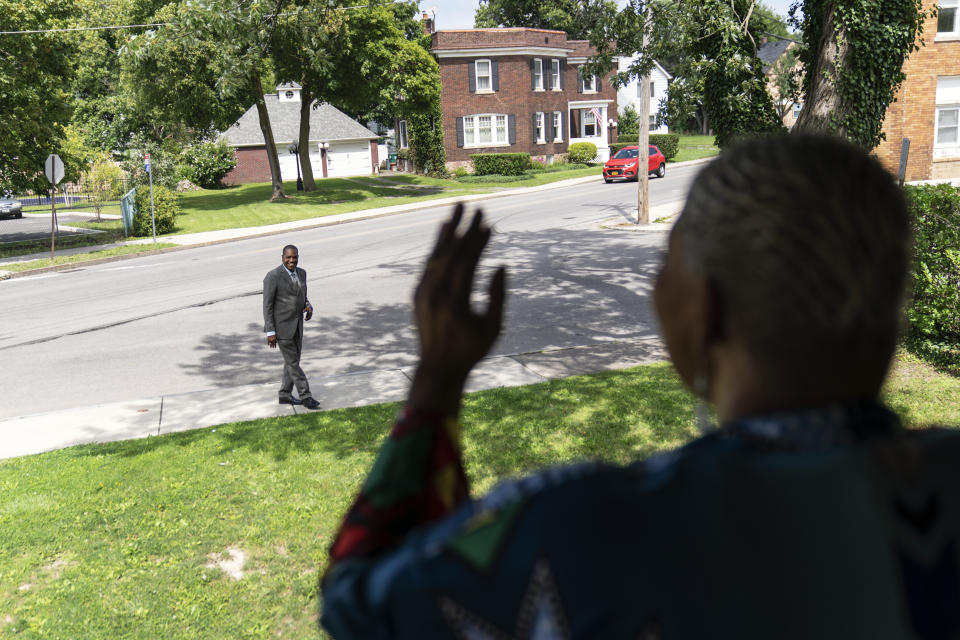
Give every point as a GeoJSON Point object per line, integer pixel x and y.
{"type": "Point", "coordinates": [934, 313]}
{"type": "Point", "coordinates": [582, 152]}
{"type": "Point", "coordinates": [668, 143]}
{"type": "Point", "coordinates": [166, 207]}
{"type": "Point", "coordinates": [501, 164]}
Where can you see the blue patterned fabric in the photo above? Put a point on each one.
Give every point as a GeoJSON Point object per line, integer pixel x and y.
{"type": "Point", "coordinates": [828, 523]}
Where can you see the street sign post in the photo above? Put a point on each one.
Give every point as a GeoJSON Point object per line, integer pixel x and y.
{"type": "Point", "coordinates": [153, 218]}
{"type": "Point", "coordinates": [53, 168]}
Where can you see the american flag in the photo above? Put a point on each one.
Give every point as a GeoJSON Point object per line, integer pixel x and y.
{"type": "Point", "coordinates": [596, 114]}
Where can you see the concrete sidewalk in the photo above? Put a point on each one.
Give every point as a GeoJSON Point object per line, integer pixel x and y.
{"type": "Point", "coordinates": [160, 415]}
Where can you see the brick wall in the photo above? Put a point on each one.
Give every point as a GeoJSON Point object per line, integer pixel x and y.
{"type": "Point", "coordinates": [913, 114]}
{"type": "Point", "coordinates": [515, 95]}
{"type": "Point", "coordinates": [252, 166]}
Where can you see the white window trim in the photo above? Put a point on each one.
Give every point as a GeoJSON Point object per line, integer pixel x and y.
{"type": "Point", "coordinates": [472, 122]}
{"type": "Point", "coordinates": [555, 79]}
{"type": "Point", "coordinates": [949, 35]}
{"type": "Point", "coordinates": [593, 84]}
{"type": "Point", "coordinates": [402, 139]}
{"type": "Point", "coordinates": [558, 126]}
{"type": "Point", "coordinates": [488, 75]}
{"type": "Point", "coordinates": [583, 124]}
{"type": "Point", "coordinates": [936, 127]}
{"type": "Point", "coordinates": [541, 128]}
{"type": "Point", "coordinates": [539, 85]}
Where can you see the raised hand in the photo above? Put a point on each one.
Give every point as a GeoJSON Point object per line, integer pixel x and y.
{"type": "Point", "coordinates": [453, 336]}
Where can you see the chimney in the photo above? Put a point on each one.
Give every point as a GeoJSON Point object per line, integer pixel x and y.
{"type": "Point", "coordinates": [427, 23]}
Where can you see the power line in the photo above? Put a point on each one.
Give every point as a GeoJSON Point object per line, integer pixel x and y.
{"type": "Point", "coordinates": [170, 24]}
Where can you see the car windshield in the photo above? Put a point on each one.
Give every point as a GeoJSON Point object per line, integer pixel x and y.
{"type": "Point", "coordinates": [627, 153]}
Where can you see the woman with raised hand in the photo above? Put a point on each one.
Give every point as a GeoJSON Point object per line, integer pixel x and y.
{"type": "Point", "coordinates": [809, 512]}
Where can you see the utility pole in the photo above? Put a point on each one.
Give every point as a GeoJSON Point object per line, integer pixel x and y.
{"type": "Point", "coordinates": [643, 155]}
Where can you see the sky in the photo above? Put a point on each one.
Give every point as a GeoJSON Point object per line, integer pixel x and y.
{"type": "Point", "coordinates": [458, 14]}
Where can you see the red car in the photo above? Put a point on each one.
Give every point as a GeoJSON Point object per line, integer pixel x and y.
{"type": "Point", "coordinates": [623, 166]}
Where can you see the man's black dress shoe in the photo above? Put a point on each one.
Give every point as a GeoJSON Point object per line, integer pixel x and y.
{"type": "Point", "coordinates": [290, 400]}
{"type": "Point", "coordinates": [310, 403]}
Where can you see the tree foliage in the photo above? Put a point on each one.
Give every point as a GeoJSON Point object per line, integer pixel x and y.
{"type": "Point", "coordinates": [578, 18]}
{"type": "Point", "coordinates": [35, 76]}
{"type": "Point", "coordinates": [853, 58]}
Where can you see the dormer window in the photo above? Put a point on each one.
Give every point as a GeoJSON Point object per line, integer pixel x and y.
{"type": "Point", "coordinates": [288, 95]}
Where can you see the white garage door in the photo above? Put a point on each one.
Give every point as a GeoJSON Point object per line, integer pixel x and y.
{"type": "Point", "coordinates": [348, 159]}
{"type": "Point", "coordinates": [288, 164]}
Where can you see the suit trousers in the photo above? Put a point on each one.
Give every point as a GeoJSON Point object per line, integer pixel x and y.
{"type": "Point", "coordinates": [292, 373]}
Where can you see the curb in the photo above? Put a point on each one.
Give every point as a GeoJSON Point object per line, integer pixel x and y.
{"type": "Point", "coordinates": [314, 223]}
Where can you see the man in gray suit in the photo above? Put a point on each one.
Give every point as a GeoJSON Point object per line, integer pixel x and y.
{"type": "Point", "coordinates": [285, 309]}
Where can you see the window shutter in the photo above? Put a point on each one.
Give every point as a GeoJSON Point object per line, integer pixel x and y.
{"type": "Point", "coordinates": [533, 80]}
{"type": "Point", "coordinates": [560, 64]}
{"type": "Point", "coordinates": [574, 123]}
{"type": "Point", "coordinates": [495, 81]}
{"type": "Point", "coordinates": [460, 131]}
{"type": "Point", "coordinates": [548, 133]}
{"type": "Point", "coordinates": [579, 82]}
{"type": "Point", "coordinates": [512, 129]}
{"type": "Point", "coordinates": [472, 75]}
{"type": "Point", "coordinates": [548, 75]}
{"type": "Point", "coordinates": [534, 128]}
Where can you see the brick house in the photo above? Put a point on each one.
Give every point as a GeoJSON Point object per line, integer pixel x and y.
{"type": "Point", "coordinates": [519, 90]}
{"type": "Point", "coordinates": [927, 107]}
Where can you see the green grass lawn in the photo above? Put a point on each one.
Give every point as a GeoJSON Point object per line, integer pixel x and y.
{"type": "Point", "coordinates": [85, 257]}
{"type": "Point", "coordinates": [113, 233]}
{"type": "Point", "coordinates": [249, 205]}
{"type": "Point", "coordinates": [696, 147]}
{"type": "Point", "coordinates": [122, 540]}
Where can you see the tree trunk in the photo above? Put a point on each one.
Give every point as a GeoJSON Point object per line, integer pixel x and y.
{"type": "Point", "coordinates": [823, 103]}
{"type": "Point", "coordinates": [268, 140]}
{"type": "Point", "coordinates": [303, 145]}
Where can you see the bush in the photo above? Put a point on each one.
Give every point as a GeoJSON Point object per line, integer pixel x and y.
{"type": "Point", "coordinates": [582, 152]}
{"type": "Point", "coordinates": [460, 172]}
{"type": "Point", "coordinates": [501, 164]}
{"type": "Point", "coordinates": [494, 178]}
{"type": "Point", "coordinates": [628, 123]}
{"type": "Point", "coordinates": [163, 159]}
{"type": "Point", "coordinates": [206, 163]}
{"type": "Point", "coordinates": [166, 207]}
{"type": "Point", "coordinates": [668, 143]}
{"type": "Point", "coordinates": [934, 313]}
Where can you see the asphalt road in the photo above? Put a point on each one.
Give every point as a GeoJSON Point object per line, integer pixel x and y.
{"type": "Point", "coordinates": [34, 227]}
{"type": "Point", "coordinates": [192, 320]}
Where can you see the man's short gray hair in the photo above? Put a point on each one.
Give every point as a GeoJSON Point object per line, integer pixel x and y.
{"type": "Point", "coordinates": [807, 239]}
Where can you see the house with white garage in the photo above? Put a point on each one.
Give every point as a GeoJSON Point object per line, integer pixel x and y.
{"type": "Point", "coordinates": [339, 145]}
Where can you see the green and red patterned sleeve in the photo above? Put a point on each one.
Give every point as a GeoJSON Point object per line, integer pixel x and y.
{"type": "Point", "coordinates": [417, 479]}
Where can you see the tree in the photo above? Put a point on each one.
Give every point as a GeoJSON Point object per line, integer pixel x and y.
{"type": "Point", "coordinates": [578, 18]}
{"type": "Point", "coordinates": [786, 82]}
{"type": "Point", "coordinates": [359, 60]}
{"type": "Point", "coordinates": [35, 74]}
{"type": "Point", "coordinates": [853, 59]}
{"type": "Point", "coordinates": [628, 123]}
{"type": "Point", "coordinates": [237, 37]}
{"type": "Point", "coordinates": [719, 40]}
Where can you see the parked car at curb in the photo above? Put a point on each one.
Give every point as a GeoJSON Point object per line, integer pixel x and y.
{"type": "Point", "coordinates": [624, 165]}
{"type": "Point", "coordinates": [10, 208]}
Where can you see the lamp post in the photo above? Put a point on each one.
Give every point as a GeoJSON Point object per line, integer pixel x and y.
{"type": "Point", "coordinates": [611, 125]}
{"type": "Point", "coordinates": [324, 145]}
{"type": "Point", "coordinates": [294, 149]}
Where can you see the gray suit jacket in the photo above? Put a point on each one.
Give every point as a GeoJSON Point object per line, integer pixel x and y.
{"type": "Point", "coordinates": [284, 302]}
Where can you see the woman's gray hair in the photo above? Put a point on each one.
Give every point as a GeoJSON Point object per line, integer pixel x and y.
{"type": "Point", "coordinates": [807, 240]}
